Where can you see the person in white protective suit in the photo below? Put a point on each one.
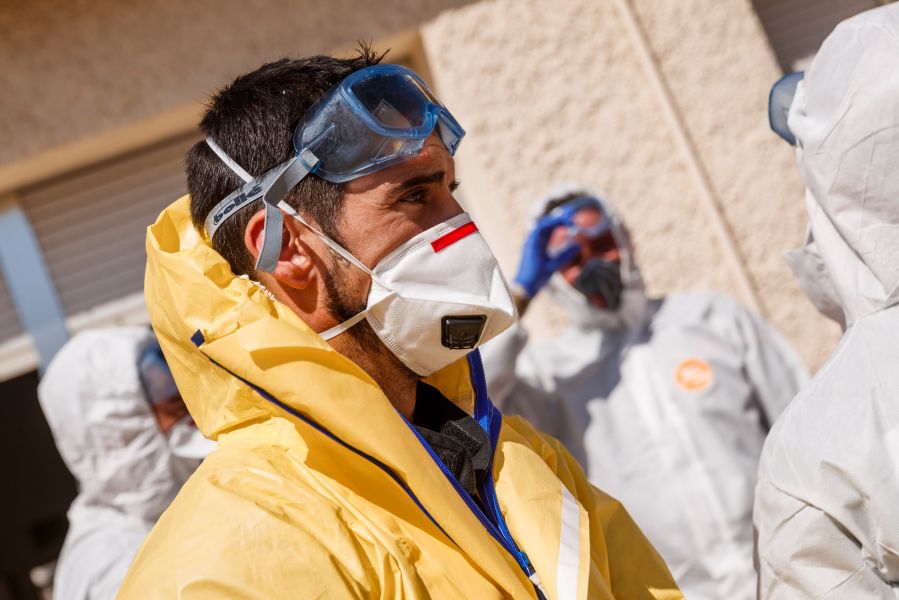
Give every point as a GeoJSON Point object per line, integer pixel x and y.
{"type": "Point", "coordinates": [124, 433]}
{"type": "Point", "coordinates": [665, 401]}
{"type": "Point", "coordinates": [827, 501]}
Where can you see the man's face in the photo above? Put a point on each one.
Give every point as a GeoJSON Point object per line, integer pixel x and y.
{"type": "Point", "coordinates": [602, 246]}
{"type": "Point", "coordinates": [168, 412]}
{"type": "Point", "coordinates": [380, 212]}
{"type": "Point", "coordinates": [386, 208]}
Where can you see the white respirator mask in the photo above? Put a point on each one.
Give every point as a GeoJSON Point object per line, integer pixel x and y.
{"type": "Point", "coordinates": [187, 448]}
{"type": "Point", "coordinates": [186, 441]}
{"type": "Point", "coordinates": [433, 299]}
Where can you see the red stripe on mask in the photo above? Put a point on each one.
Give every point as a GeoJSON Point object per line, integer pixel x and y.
{"type": "Point", "coordinates": [453, 236]}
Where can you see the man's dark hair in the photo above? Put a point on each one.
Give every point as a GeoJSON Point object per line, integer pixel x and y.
{"type": "Point", "coordinates": [252, 120]}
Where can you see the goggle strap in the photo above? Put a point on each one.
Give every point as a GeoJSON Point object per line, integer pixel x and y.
{"type": "Point", "coordinates": [230, 162]}
{"type": "Point", "coordinates": [234, 201]}
{"type": "Point", "coordinates": [291, 173]}
{"type": "Point", "coordinates": [228, 207]}
{"type": "Point", "coordinates": [271, 239]}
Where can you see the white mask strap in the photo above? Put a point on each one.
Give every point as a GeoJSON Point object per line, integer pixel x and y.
{"type": "Point", "coordinates": [338, 329]}
{"type": "Point", "coordinates": [328, 241]}
{"type": "Point", "coordinates": [230, 162]}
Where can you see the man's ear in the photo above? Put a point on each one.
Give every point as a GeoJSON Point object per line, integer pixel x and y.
{"type": "Point", "coordinates": [295, 267]}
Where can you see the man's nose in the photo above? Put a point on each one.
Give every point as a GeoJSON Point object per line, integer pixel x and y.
{"type": "Point", "coordinates": [449, 207]}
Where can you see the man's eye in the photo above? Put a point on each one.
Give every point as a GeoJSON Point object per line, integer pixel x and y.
{"type": "Point", "coordinates": [416, 197]}
{"type": "Point", "coordinates": [454, 185]}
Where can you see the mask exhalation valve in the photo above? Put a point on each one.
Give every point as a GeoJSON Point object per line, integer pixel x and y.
{"type": "Point", "coordinates": [462, 332]}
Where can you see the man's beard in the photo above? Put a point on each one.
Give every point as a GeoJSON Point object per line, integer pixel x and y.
{"type": "Point", "coordinates": [365, 348]}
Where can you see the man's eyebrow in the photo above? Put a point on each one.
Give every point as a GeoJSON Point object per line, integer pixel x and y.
{"type": "Point", "coordinates": [435, 177]}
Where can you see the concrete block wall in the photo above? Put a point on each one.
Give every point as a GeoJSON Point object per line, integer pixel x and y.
{"type": "Point", "coordinates": [558, 92]}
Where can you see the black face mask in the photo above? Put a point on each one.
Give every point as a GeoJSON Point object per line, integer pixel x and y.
{"type": "Point", "coordinates": [603, 278]}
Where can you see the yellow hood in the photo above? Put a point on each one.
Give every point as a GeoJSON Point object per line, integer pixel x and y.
{"type": "Point", "coordinates": [321, 488]}
{"type": "Point", "coordinates": [191, 290]}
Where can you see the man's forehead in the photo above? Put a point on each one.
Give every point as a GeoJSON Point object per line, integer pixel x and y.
{"type": "Point", "coordinates": [593, 213]}
{"type": "Point", "coordinates": [432, 160]}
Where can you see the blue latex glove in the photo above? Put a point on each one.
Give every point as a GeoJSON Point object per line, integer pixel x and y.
{"type": "Point", "coordinates": [537, 266]}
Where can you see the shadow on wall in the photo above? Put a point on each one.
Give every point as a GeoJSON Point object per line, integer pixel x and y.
{"type": "Point", "coordinates": [796, 28]}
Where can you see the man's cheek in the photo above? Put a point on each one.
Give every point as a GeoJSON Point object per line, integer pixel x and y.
{"type": "Point", "coordinates": [362, 283]}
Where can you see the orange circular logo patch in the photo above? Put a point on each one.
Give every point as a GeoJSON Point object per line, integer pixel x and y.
{"type": "Point", "coordinates": [693, 375]}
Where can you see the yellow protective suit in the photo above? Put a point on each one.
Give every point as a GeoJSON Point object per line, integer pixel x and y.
{"type": "Point", "coordinates": [320, 489]}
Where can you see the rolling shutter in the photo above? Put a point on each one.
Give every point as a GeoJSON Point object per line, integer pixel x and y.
{"type": "Point", "coordinates": [9, 320]}
{"type": "Point", "coordinates": [91, 225]}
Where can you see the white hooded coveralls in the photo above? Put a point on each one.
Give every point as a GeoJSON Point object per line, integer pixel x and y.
{"type": "Point", "coordinates": [107, 435]}
{"type": "Point", "coordinates": [666, 403]}
{"type": "Point", "coordinates": [827, 502]}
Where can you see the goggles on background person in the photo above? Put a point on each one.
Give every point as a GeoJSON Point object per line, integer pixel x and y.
{"type": "Point", "coordinates": [574, 231]}
{"type": "Point", "coordinates": [375, 118]}
{"type": "Point", "coordinates": [779, 101]}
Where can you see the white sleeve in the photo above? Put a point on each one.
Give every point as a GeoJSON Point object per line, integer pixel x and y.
{"type": "Point", "coordinates": [802, 552]}
{"type": "Point", "coordinates": [500, 356]}
{"type": "Point", "coordinates": [93, 565]}
{"type": "Point", "coordinates": [773, 367]}
{"type": "Point", "coordinates": [106, 585]}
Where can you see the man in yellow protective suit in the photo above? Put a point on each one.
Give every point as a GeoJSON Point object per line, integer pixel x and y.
{"type": "Point", "coordinates": [320, 296]}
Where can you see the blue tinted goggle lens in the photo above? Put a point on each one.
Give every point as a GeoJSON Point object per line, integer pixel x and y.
{"type": "Point", "coordinates": [395, 101]}
{"type": "Point", "coordinates": [376, 117]}
{"type": "Point", "coordinates": [779, 101]}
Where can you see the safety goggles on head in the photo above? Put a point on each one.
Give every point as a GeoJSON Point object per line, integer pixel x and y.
{"type": "Point", "coordinates": [572, 230]}
{"type": "Point", "coordinates": [373, 119]}
{"type": "Point", "coordinates": [779, 101]}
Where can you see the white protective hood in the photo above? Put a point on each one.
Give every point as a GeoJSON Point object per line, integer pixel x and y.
{"type": "Point", "coordinates": [845, 117]}
{"type": "Point", "coordinates": [828, 490]}
{"type": "Point", "coordinates": [103, 425]}
{"type": "Point", "coordinates": [582, 313]}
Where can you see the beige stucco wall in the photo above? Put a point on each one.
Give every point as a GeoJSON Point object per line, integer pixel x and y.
{"type": "Point", "coordinates": [74, 68]}
{"type": "Point", "coordinates": [560, 94]}
{"type": "Point", "coordinates": [548, 90]}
